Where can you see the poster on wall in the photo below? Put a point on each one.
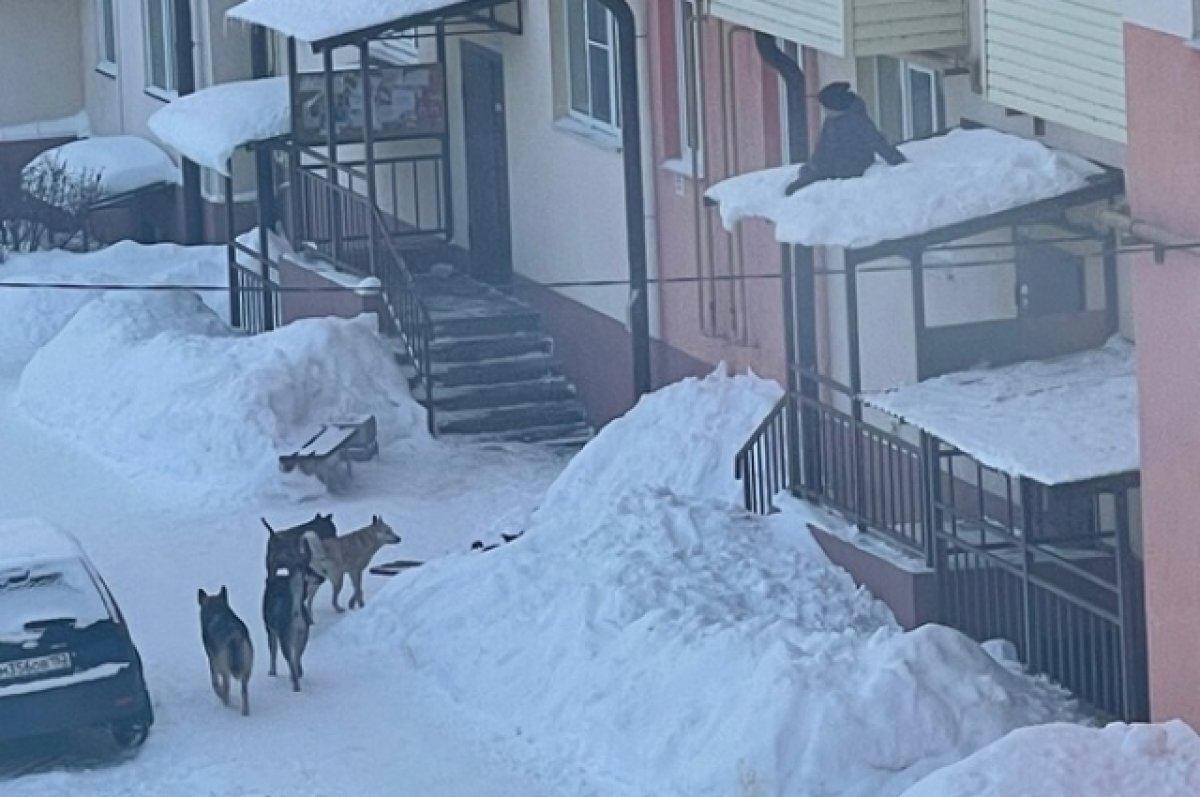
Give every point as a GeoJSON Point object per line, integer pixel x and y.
{"type": "Point", "coordinates": [406, 102]}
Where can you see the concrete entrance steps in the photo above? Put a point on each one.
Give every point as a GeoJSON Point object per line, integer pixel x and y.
{"type": "Point", "coordinates": [495, 376]}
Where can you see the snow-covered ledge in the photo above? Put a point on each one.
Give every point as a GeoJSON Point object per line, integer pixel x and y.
{"type": "Point", "coordinates": [962, 175]}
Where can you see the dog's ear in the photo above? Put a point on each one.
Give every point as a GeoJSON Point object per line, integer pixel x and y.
{"type": "Point", "coordinates": [224, 594]}
{"type": "Point", "coordinates": [376, 519]}
{"type": "Point", "coordinates": [201, 596]}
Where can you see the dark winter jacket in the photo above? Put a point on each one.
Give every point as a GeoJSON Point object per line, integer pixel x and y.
{"type": "Point", "coordinates": [847, 147]}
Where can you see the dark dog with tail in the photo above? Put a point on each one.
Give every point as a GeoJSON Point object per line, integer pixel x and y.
{"type": "Point", "coordinates": [227, 643]}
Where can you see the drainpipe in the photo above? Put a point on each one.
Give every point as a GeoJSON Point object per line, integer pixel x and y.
{"type": "Point", "coordinates": [635, 199]}
{"type": "Point", "coordinates": [1156, 236]}
{"type": "Point", "coordinates": [799, 276]}
{"type": "Point", "coordinates": [185, 83]}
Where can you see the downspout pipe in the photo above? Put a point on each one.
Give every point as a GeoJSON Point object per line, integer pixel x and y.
{"type": "Point", "coordinates": [800, 284]}
{"type": "Point", "coordinates": [635, 198]}
{"type": "Point", "coordinates": [185, 83]}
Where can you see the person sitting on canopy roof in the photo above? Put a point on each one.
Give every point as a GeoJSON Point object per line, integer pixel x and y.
{"type": "Point", "coordinates": [848, 143]}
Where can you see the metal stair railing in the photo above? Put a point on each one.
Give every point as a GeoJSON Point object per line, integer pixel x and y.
{"type": "Point", "coordinates": [344, 226]}
{"type": "Point", "coordinates": [762, 464]}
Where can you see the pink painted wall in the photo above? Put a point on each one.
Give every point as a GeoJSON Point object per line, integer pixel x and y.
{"type": "Point", "coordinates": [747, 331]}
{"type": "Point", "coordinates": [1163, 81]}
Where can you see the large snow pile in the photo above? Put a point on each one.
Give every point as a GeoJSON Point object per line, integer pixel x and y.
{"type": "Point", "coordinates": [1061, 760]}
{"type": "Point", "coordinates": [697, 426]}
{"type": "Point", "coordinates": [316, 20]}
{"type": "Point", "coordinates": [30, 317]}
{"type": "Point", "coordinates": [961, 175]}
{"type": "Point", "coordinates": [673, 645]}
{"type": "Point", "coordinates": [1058, 421]}
{"type": "Point", "coordinates": [121, 163]}
{"type": "Point", "coordinates": [209, 125]}
{"type": "Point", "coordinates": [159, 385]}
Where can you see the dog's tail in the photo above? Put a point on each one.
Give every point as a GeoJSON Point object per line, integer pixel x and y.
{"type": "Point", "coordinates": [270, 531]}
{"type": "Point", "coordinates": [318, 558]}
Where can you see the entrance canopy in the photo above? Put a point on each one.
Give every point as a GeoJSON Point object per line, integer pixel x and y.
{"type": "Point", "coordinates": [207, 127]}
{"type": "Point", "coordinates": [950, 181]}
{"type": "Point", "coordinates": [322, 23]}
{"type": "Point", "coordinates": [1059, 421]}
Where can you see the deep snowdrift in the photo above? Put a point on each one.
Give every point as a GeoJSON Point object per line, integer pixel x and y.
{"type": "Point", "coordinates": [30, 317]}
{"type": "Point", "coordinates": [157, 384]}
{"type": "Point", "coordinates": [678, 645]}
{"type": "Point", "coordinates": [1069, 761]}
{"type": "Point", "coordinates": [683, 437]}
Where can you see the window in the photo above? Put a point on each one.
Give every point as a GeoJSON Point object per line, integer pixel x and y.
{"type": "Point", "coordinates": [690, 107]}
{"type": "Point", "coordinates": [402, 49]}
{"type": "Point", "coordinates": [910, 100]}
{"type": "Point", "coordinates": [594, 91]}
{"type": "Point", "coordinates": [106, 34]}
{"type": "Point", "coordinates": [160, 45]}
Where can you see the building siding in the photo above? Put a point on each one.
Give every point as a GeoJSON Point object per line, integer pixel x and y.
{"type": "Point", "coordinates": [1064, 62]}
{"type": "Point", "coordinates": [853, 28]}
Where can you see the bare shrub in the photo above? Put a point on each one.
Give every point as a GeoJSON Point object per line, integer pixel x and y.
{"type": "Point", "coordinates": [49, 209]}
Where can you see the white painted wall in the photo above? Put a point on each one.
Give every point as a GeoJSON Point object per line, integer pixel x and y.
{"type": "Point", "coordinates": [40, 60]}
{"type": "Point", "coordinates": [566, 190]}
{"type": "Point", "coordinates": [121, 103]}
{"type": "Point", "coordinates": [1169, 16]}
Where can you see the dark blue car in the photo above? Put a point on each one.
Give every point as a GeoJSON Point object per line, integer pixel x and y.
{"type": "Point", "coordinates": [67, 660]}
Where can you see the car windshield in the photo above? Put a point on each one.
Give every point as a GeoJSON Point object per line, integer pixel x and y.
{"type": "Point", "coordinates": [47, 592]}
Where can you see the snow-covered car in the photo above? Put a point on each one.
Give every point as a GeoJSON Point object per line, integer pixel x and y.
{"type": "Point", "coordinates": [67, 660]}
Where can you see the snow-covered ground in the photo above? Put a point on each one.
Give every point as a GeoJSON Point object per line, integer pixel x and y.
{"type": "Point", "coordinates": [644, 636]}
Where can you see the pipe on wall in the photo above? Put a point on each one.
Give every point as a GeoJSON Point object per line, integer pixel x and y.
{"type": "Point", "coordinates": [635, 194]}
{"type": "Point", "coordinates": [185, 83]}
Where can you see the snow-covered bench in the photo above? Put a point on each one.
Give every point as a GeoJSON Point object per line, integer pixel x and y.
{"type": "Point", "coordinates": [328, 452]}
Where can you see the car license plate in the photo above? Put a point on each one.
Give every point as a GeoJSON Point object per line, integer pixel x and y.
{"type": "Point", "coordinates": [29, 668]}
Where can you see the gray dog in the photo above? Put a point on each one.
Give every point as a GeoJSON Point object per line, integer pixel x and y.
{"type": "Point", "coordinates": [287, 620]}
{"type": "Point", "coordinates": [227, 643]}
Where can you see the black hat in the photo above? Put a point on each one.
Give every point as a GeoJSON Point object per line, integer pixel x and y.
{"type": "Point", "coordinates": [836, 96]}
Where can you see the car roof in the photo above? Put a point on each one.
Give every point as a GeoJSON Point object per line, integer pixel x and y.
{"type": "Point", "coordinates": [32, 539]}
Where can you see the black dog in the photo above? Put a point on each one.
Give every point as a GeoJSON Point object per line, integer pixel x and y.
{"type": "Point", "coordinates": [286, 550]}
{"type": "Point", "coordinates": [287, 620]}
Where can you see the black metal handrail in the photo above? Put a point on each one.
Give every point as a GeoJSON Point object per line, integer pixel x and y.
{"type": "Point", "coordinates": [762, 464]}
{"type": "Point", "coordinates": [343, 225]}
{"type": "Point", "coordinates": [408, 310]}
{"type": "Point", "coordinates": [253, 300]}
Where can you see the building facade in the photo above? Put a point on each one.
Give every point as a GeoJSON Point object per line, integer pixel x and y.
{"type": "Point", "coordinates": [1164, 153]}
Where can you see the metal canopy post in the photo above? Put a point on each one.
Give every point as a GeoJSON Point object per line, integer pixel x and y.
{"type": "Point", "coordinates": [235, 293]}
{"type": "Point", "coordinates": [299, 223]}
{"type": "Point", "coordinates": [917, 270]}
{"type": "Point", "coordinates": [364, 65]}
{"type": "Point", "coordinates": [856, 454]}
{"type": "Point", "coordinates": [335, 216]}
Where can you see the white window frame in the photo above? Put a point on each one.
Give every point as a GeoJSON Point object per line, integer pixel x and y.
{"type": "Point", "coordinates": [106, 19]}
{"type": "Point", "coordinates": [907, 118]}
{"type": "Point", "coordinates": [166, 40]}
{"type": "Point", "coordinates": [690, 152]}
{"type": "Point", "coordinates": [611, 61]}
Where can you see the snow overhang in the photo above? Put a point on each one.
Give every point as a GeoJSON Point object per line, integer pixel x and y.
{"type": "Point", "coordinates": [1061, 421]}
{"type": "Point", "coordinates": [207, 127]}
{"type": "Point", "coordinates": [955, 185]}
{"type": "Point", "coordinates": [324, 24]}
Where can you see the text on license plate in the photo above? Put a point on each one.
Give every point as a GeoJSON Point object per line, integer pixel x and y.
{"type": "Point", "coordinates": [25, 668]}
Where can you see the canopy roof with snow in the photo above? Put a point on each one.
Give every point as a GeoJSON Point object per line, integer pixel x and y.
{"type": "Point", "coordinates": [950, 181]}
{"type": "Point", "coordinates": [1059, 421]}
{"type": "Point", "coordinates": [208, 126]}
{"type": "Point", "coordinates": [320, 21]}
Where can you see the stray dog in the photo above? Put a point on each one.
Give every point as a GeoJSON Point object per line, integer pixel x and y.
{"type": "Point", "coordinates": [333, 558]}
{"type": "Point", "coordinates": [227, 643]}
{"type": "Point", "coordinates": [287, 551]}
{"type": "Point", "coordinates": [287, 620]}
